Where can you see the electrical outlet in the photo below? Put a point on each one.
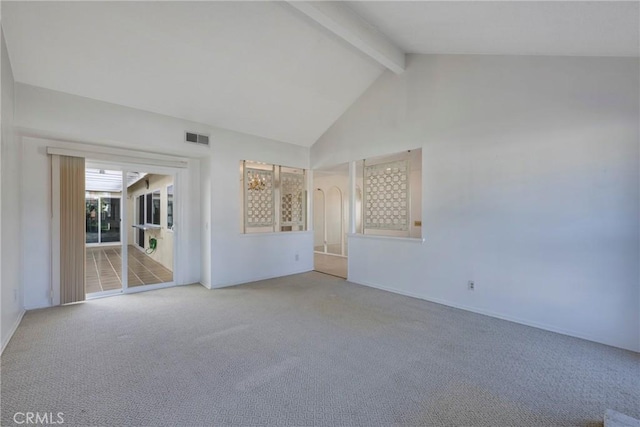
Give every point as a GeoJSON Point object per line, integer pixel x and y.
{"type": "Point", "coordinates": [297, 257]}
{"type": "Point", "coordinates": [471, 285]}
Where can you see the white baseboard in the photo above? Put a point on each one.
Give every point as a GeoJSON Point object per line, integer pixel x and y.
{"type": "Point", "coordinates": [13, 330]}
{"type": "Point", "coordinates": [257, 279]}
{"type": "Point", "coordinates": [204, 283]}
{"type": "Point", "coordinates": [521, 321]}
{"type": "Point", "coordinates": [38, 307]}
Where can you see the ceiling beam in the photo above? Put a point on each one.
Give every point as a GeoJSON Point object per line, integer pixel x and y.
{"type": "Point", "coordinates": [344, 22]}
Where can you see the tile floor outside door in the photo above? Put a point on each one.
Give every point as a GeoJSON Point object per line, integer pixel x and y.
{"type": "Point", "coordinates": [104, 267]}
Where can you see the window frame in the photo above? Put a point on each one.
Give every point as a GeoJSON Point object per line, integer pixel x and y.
{"type": "Point", "coordinates": [170, 200]}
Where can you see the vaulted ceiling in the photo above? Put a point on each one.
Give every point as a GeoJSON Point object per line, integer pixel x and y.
{"type": "Point", "coordinates": [569, 28]}
{"type": "Point", "coordinates": [281, 70]}
{"type": "Point", "coordinates": [253, 67]}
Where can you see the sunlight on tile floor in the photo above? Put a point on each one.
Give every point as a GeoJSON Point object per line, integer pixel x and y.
{"type": "Point", "coordinates": [104, 269]}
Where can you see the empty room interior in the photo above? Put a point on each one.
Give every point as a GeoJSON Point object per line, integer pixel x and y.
{"type": "Point", "coordinates": [331, 213]}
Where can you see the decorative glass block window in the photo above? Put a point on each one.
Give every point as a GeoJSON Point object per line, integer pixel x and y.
{"type": "Point", "coordinates": [391, 194]}
{"type": "Point", "coordinates": [274, 198]}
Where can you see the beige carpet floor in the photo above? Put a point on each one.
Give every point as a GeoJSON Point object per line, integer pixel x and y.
{"type": "Point", "coordinates": [304, 350]}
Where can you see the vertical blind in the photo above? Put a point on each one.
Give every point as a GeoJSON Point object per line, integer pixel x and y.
{"type": "Point", "coordinates": [72, 229]}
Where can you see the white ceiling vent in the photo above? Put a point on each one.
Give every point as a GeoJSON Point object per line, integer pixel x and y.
{"type": "Point", "coordinates": [196, 138]}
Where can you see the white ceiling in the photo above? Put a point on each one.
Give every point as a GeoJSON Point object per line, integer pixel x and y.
{"type": "Point", "coordinates": [572, 28]}
{"type": "Point", "coordinates": [253, 67]}
{"type": "Point", "coordinates": [264, 68]}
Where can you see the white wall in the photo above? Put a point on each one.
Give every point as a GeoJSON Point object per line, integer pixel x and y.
{"type": "Point", "coordinates": [236, 257]}
{"type": "Point", "coordinates": [530, 187]}
{"type": "Point", "coordinates": [10, 219]}
{"type": "Point", "coordinates": [50, 115]}
{"type": "Point", "coordinates": [37, 228]}
{"type": "Point", "coordinates": [318, 218]}
{"type": "Point", "coordinates": [209, 198]}
{"type": "Point", "coordinates": [43, 115]}
{"type": "Point", "coordinates": [205, 223]}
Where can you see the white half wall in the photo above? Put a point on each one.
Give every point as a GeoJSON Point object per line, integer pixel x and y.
{"type": "Point", "coordinates": [10, 218]}
{"type": "Point", "coordinates": [531, 188]}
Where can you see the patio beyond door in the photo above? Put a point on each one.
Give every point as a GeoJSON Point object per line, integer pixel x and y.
{"type": "Point", "coordinates": [102, 219]}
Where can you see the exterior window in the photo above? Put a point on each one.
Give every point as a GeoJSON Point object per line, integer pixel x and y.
{"type": "Point", "coordinates": [153, 210]}
{"type": "Point", "coordinates": [274, 198]}
{"type": "Point", "coordinates": [149, 210]}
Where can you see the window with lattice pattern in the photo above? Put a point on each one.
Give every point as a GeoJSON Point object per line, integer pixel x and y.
{"type": "Point", "coordinates": [274, 198]}
{"type": "Point", "coordinates": [392, 194]}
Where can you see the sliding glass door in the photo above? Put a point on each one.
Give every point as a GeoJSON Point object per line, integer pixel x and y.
{"type": "Point", "coordinates": [129, 226]}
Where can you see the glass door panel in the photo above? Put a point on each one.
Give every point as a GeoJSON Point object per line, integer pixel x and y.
{"type": "Point", "coordinates": [103, 253]}
{"type": "Point", "coordinates": [92, 231]}
{"type": "Point", "coordinates": [109, 219]}
{"type": "Point", "coordinates": [150, 245]}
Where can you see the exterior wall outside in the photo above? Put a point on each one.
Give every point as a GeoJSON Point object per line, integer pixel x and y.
{"type": "Point", "coordinates": [164, 251]}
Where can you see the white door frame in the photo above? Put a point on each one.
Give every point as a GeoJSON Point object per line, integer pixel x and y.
{"type": "Point", "coordinates": [123, 163]}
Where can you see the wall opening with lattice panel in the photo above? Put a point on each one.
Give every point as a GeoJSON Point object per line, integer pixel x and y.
{"type": "Point", "coordinates": [259, 208]}
{"type": "Point", "coordinates": [274, 198]}
{"type": "Point", "coordinates": [391, 194]}
{"type": "Point", "coordinates": [386, 187]}
{"type": "Point", "coordinates": [292, 199]}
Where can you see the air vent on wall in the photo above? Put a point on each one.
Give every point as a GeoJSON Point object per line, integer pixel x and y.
{"type": "Point", "coordinates": [196, 138]}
